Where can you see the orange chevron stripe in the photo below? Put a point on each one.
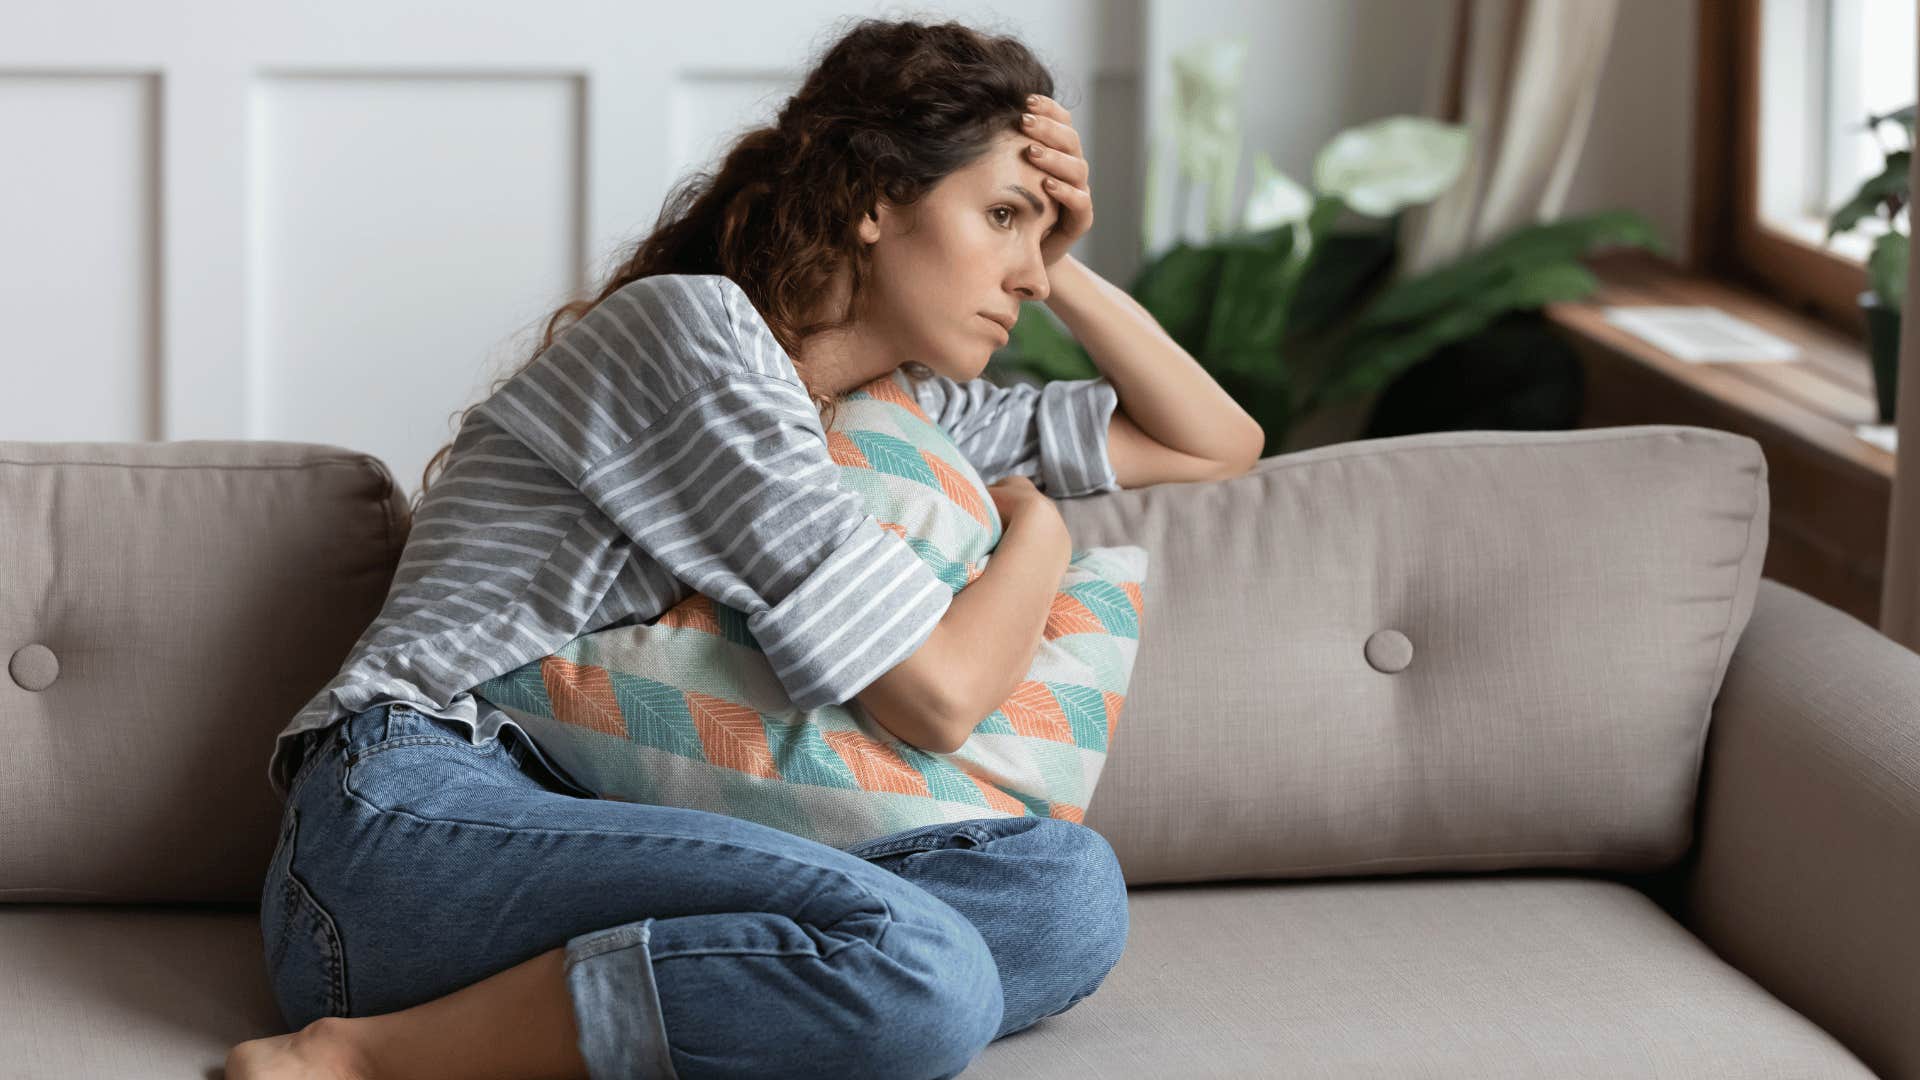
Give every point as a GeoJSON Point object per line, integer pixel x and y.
{"type": "Point", "coordinates": [1067, 615]}
{"type": "Point", "coordinates": [996, 798]}
{"type": "Point", "coordinates": [732, 735]}
{"type": "Point", "coordinates": [958, 488]}
{"type": "Point", "coordinates": [1114, 703]}
{"type": "Point", "coordinates": [1033, 711]}
{"type": "Point", "coordinates": [876, 767]}
{"type": "Point", "coordinates": [841, 448]}
{"type": "Point", "coordinates": [886, 388]}
{"type": "Point", "coordinates": [696, 612]}
{"type": "Point", "coordinates": [582, 695]}
{"type": "Point", "coordinates": [1067, 812]}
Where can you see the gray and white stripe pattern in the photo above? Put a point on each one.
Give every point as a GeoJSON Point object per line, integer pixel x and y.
{"type": "Point", "coordinates": [663, 446]}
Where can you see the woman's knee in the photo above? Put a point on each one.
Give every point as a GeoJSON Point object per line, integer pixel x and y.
{"type": "Point", "coordinates": [1092, 897]}
{"type": "Point", "coordinates": [948, 982]}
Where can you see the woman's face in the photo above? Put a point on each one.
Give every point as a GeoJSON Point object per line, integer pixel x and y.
{"type": "Point", "coordinates": [966, 254]}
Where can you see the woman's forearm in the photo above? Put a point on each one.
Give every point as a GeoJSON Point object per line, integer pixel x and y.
{"type": "Point", "coordinates": [996, 623]}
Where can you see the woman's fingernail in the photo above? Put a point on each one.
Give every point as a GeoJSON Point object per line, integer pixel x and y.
{"type": "Point", "coordinates": [1027, 119]}
{"type": "Point", "coordinates": [1034, 150]}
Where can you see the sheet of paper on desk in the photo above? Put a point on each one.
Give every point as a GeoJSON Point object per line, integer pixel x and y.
{"type": "Point", "coordinates": [1884, 436]}
{"type": "Point", "coordinates": [1700, 333]}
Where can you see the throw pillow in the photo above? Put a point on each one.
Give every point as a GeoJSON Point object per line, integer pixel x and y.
{"type": "Point", "coordinates": [686, 711]}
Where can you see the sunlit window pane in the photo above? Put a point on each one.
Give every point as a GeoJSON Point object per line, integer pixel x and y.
{"type": "Point", "coordinates": [1825, 66]}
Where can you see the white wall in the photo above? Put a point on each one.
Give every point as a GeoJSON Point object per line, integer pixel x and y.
{"type": "Point", "coordinates": [339, 223]}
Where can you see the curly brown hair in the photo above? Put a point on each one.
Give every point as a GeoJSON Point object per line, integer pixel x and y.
{"type": "Point", "coordinates": [889, 110]}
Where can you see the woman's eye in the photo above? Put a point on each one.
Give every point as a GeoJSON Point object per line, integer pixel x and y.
{"type": "Point", "coordinates": [1007, 210]}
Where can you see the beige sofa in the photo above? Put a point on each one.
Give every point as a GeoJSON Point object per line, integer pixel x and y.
{"type": "Point", "coordinates": [1474, 754]}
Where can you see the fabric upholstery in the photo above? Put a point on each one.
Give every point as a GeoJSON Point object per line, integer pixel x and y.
{"type": "Point", "coordinates": [1478, 977]}
{"type": "Point", "coordinates": [1807, 873]}
{"type": "Point", "coordinates": [1568, 601]}
{"type": "Point", "coordinates": [184, 598]}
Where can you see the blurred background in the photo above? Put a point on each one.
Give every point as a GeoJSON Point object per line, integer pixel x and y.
{"type": "Point", "coordinates": [339, 223]}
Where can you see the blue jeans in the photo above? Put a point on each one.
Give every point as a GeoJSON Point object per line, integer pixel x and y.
{"type": "Point", "coordinates": [412, 863]}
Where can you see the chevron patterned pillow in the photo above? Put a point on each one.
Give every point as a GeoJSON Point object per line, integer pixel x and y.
{"type": "Point", "coordinates": [686, 711]}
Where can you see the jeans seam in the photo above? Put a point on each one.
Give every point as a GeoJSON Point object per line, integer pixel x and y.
{"type": "Point", "coordinates": [297, 898]}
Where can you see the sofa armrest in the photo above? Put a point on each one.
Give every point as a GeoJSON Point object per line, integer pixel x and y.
{"type": "Point", "coordinates": [1807, 873]}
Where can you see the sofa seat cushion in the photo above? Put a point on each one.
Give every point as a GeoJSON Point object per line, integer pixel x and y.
{"type": "Point", "coordinates": [1521, 975]}
{"type": "Point", "coordinates": [89, 992]}
{"type": "Point", "coordinates": [1515, 975]}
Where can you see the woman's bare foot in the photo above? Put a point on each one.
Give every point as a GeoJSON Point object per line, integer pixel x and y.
{"type": "Point", "coordinates": [319, 1051]}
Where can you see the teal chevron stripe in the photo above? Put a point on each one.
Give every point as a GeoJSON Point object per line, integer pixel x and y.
{"type": "Point", "coordinates": [1109, 604]}
{"type": "Point", "coordinates": [996, 723]}
{"type": "Point", "coordinates": [522, 688]}
{"type": "Point", "coordinates": [947, 570]}
{"type": "Point", "coordinates": [892, 454]}
{"type": "Point", "coordinates": [656, 714]}
{"type": "Point", "coordinates": [943, 780]}
{"type": "Point", "coordinates": [1086, 712]}
{"type": "Point", "coordinates": [733, 626]}
{"type": "Point", "coordinates": [803, 757]}
{"type": "Point", "coordinates": [1035, 805]}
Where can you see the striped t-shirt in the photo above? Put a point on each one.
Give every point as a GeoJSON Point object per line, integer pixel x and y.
{"type": "Point", "coordinates": [664, 445]}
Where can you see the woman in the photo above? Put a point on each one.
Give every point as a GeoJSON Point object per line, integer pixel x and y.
{"type": "Point", "coordinates": [445, 902]}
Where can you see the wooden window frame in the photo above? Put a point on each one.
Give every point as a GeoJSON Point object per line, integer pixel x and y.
{"type": "Point", "coordinates": [1729, 241]}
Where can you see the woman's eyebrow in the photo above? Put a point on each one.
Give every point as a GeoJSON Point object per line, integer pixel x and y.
{"type": "Point", "coordinates": [1039, 208]}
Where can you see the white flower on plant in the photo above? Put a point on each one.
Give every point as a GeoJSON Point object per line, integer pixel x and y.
{"type": "Point", "coordinates": [1206, 84]}
{"type": "Point", "coordinates": [1275, 198]}
{"type": "Point", "coordinates": [1388, 165]}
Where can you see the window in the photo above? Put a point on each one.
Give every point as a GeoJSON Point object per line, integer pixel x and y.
{"type": "Point", "coordinates": [1785, 87]}
{"type": "Point", "coordinates": [1828, 64]}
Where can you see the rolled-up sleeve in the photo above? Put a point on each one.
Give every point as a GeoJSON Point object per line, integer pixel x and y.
{"type": "Point", "coordinates": [729, 485]}
{"type": "Point", "coordinates": [1055, 433]}
{"type": "Point", "coordinates": [739, 498]}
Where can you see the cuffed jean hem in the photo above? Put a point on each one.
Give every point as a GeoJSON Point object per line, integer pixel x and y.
{"type": "Point", "coordinates": [623, 1033]}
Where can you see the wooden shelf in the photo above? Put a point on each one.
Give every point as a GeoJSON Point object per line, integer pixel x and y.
{"type": "Point", "coordinates": [1829, 489]}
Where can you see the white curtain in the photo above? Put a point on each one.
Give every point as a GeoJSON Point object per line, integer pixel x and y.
{"type": "Point", "coordinates": [1523, 76]}
{"type": "Point", "coordinates": [1900, 583]}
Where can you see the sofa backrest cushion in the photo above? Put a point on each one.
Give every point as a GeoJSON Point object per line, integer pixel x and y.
{"type": "Point", "coordinates": [1470, 650]}
{"type": "Point", "coordinates": [165, 608]}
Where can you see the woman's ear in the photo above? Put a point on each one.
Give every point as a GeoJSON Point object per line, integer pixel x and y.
{"type": "Point", "coordinates": [869, 229]}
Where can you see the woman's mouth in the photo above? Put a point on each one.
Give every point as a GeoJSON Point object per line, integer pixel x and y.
{"type": "Point", "coordinates": [1001, 330]}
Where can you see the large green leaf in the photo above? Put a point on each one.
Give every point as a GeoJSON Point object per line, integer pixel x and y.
{"type": "Point", "coordinates": [1345, 267]}
{"type": "Point", "coordinates": [1891, 183]}
{"type": "Point", "coordinates": [1373, 360]}
{"type": "Point", "coordinates": [1902, 116]}
{"type": "Point", "coordinates": [1887, 268]}
{"type": "Point", "coordinates": [1249, 305]}
{"type": "Point", "coordinates": [1038, 344]}
{"type": "Point", "coordinates": [1523, 251]}
{"type": "Point", "coordinates": [1178, 288]}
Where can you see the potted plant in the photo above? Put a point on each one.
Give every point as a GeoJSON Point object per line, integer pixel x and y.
{"type": "Point", "coordinates": [1290, 315]}
{"type": "Point", "coordinates": [1886, 193]}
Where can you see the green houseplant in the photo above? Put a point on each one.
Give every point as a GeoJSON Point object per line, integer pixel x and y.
{"type": "Point", "coordinates": [1884, 193]}
{"type": "Point", "coordinates": [1290, 314]}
